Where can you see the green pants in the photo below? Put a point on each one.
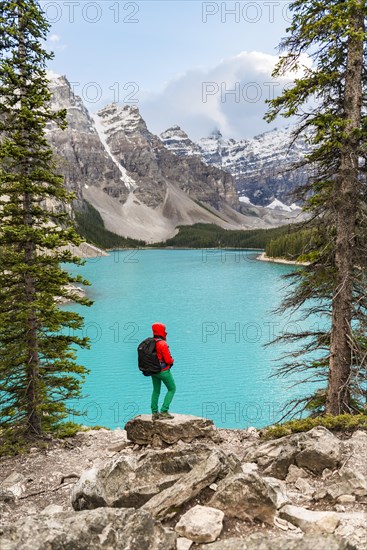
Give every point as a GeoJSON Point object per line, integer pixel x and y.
{"type": "Point", "coordinates": [167, 379]}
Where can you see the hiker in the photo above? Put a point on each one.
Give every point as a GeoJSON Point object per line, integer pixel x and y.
{"type": "Point", "coordinates": [165, 376]}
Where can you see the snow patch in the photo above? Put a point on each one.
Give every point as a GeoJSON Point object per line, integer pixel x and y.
{"type": "Point", "coordinates": [101, 131]}
{"type": "Point", "coordinates": [279, 205]}
{"type": "Point", "coordinates": [245, 200]}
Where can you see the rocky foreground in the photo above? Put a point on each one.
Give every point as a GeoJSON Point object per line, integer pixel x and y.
{"type": "Point", "coordinates": [180, 484]}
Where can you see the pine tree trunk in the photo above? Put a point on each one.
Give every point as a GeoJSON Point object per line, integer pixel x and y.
{"type": "Point", "coordinates": [31, 339]}
{"type": "Point", "coordinates": [33, 400]}
{"type": "Point", "coordinates": [346, 190]}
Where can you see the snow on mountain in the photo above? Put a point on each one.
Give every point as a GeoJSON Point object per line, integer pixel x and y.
{"type": "Point", "coordinates": [259, 166]}
{"type": "Point", "coordinates": [278, 205]}
{"type": "Point", "coordinates": [244, 199]}
{"type": "Point", "coordinates": [139, 185]}
{"type": "Point", "coordinates": [102, 130]}
{"type": "Point", "coordinates": [177, 141]}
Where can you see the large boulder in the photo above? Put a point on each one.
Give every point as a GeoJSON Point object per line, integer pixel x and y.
{"type": "Point", "coordinates": [201, 524]}
{"type": "Point", "coordinates": [168, 502]}
{"type": "Point", "coordinates": [107, 529]}
{"type": "Point", "coordinates": [318, 449]}
{"type": "Point", "coordinates": [260, 541]}
{"type": "Point", "coordinates": [311, 521]}
{"type": "Point", "coordinates": [130, 480]}
{"type": "Point", "coordinates": [314, 450]}
{"type": "Point", "coordinates": [247, 497]}
{"type": "Point", "coordinates": [275, 456]}
{"type": "Point", "coordinates": [143, 430]}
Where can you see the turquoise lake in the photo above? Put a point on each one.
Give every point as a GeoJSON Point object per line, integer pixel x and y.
{"type": "Point", "coordinates": [217, 307]}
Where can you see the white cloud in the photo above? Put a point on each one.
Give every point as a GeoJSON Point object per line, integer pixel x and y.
{"type": "Point", "coordinates": [229, 96]}
{"type": "Point", "coordinates": [54, 38]}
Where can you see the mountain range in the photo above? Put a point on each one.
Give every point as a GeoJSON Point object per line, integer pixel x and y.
{"type": "Point", "coordinates": [260, 166]}
{"type": "Point", "coordinates": [144, 185]}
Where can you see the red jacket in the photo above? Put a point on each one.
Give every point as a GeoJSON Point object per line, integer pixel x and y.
{"type": "Point", "coordinates": [163, 352]}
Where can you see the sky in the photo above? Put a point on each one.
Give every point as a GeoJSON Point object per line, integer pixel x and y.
{"type": "Point", "coordinates": [200, 65]}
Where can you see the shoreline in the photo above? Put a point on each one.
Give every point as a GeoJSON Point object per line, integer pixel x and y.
{"type": "Point", "coordinates": [263, 258]}
{"type": "Point", "coordinates": [185, 248]}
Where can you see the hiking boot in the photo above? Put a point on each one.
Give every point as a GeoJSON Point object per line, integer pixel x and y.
{"type": "Point", "coordinates": [155, 416]}
{"type": "Point", "coordinates": [165, 415]}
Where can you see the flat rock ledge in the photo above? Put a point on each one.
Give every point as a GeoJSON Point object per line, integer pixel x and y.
{"type": "Point", "coordinates": [142, 430]}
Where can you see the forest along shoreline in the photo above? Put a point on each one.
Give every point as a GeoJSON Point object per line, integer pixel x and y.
{"type": "Point", "coordinates": [264, 258]}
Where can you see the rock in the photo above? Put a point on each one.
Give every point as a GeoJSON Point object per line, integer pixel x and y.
{"type": "Point", "coordinates": [142, 429]}
{"type": "Point", "coordinates": [314, 450]}
{"type": "Point", "coordinates": [15, 483]}
{"type": "Point", "coordinates": [275, 456]}
{"type": "Point", "coordinates": [249, 467]}
{"type": "Point", "coordinates": [281, 523]}
{"type": "Point", "coordinates": [252, 432]}
{"type": "Point", "coordinates": [326, 474]}
{"type": "Point", "coordinates": [131, 480]}
{"type": "Point", "coordinates": [118, 446]}
{"type": "Point", "coordinates": [355, 452]}
{"type": "Point", "coordinates": [277, 491]}
{"type": "Point", "coordinates": [245, 497]}
{"type": "Point", "coordinates": [106, 528]}
{"type": "Point", "coordinates": [346, 482]}
{"type": "Point", "coordinates": [339, 508]}
{"type": "Point", "coordinates": [213, 486]}
{"type": "Point", "coordinates": [167, 503]}
{"type": "Point", "coordinates": [184, 544]}
{"type": "Point", "coordinates": [156, 442]}
{"type": "Point", "coordinates": [74, 292]}
{"type": "Point", "coordinates": [6, 496]}
{"type": "Point", "coordinates": [295, 473]}
{"type": "Point", "coordinates": [259, 541]}
{"type": "Point", "coordinates": [346, 499]}
{"type": "Point", "coordinates": [319, 449]}
{"type": "Point", "coordinates": [352, 529]}
{"type": "Point", "coordinates": [304, 487]}
{"type": "Point", "coordinates": [310, 521]}
{"type": "Point", "coordinates": [285, 525]}
{"type": "Point", "coordinates": [201, 524]}
{"type": "Point", "coordinates": [52, 509]}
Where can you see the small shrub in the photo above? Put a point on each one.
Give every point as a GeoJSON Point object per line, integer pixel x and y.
{"type": "Point", "coordinates": [67, 429]}
{"type": "Point", "coordinates": [343, 422]}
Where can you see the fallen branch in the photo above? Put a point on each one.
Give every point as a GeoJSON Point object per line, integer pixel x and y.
{"type": "Point", "coordinates": [45, 491]}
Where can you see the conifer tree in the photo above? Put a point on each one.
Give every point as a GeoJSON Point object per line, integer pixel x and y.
{"type": "Point", "coordinates": [38, 371]}
{"type": "Point", "coordinates": [330, 101]}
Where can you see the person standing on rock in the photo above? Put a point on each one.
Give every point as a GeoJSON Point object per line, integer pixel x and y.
{"type": "Point", "coordinates": [166, 360]}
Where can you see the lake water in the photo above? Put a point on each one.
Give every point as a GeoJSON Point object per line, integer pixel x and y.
{"type": "Point", "coordinates": [217, 307]}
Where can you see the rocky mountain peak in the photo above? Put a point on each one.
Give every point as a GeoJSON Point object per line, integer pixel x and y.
{"type": "Point", "coordinates": [122, 118]}
{"type": "Point", "coordinates": [177, 141]}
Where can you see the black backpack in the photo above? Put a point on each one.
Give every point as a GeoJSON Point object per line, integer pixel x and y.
{"type": "Point", "coordinates": [147, 357]}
